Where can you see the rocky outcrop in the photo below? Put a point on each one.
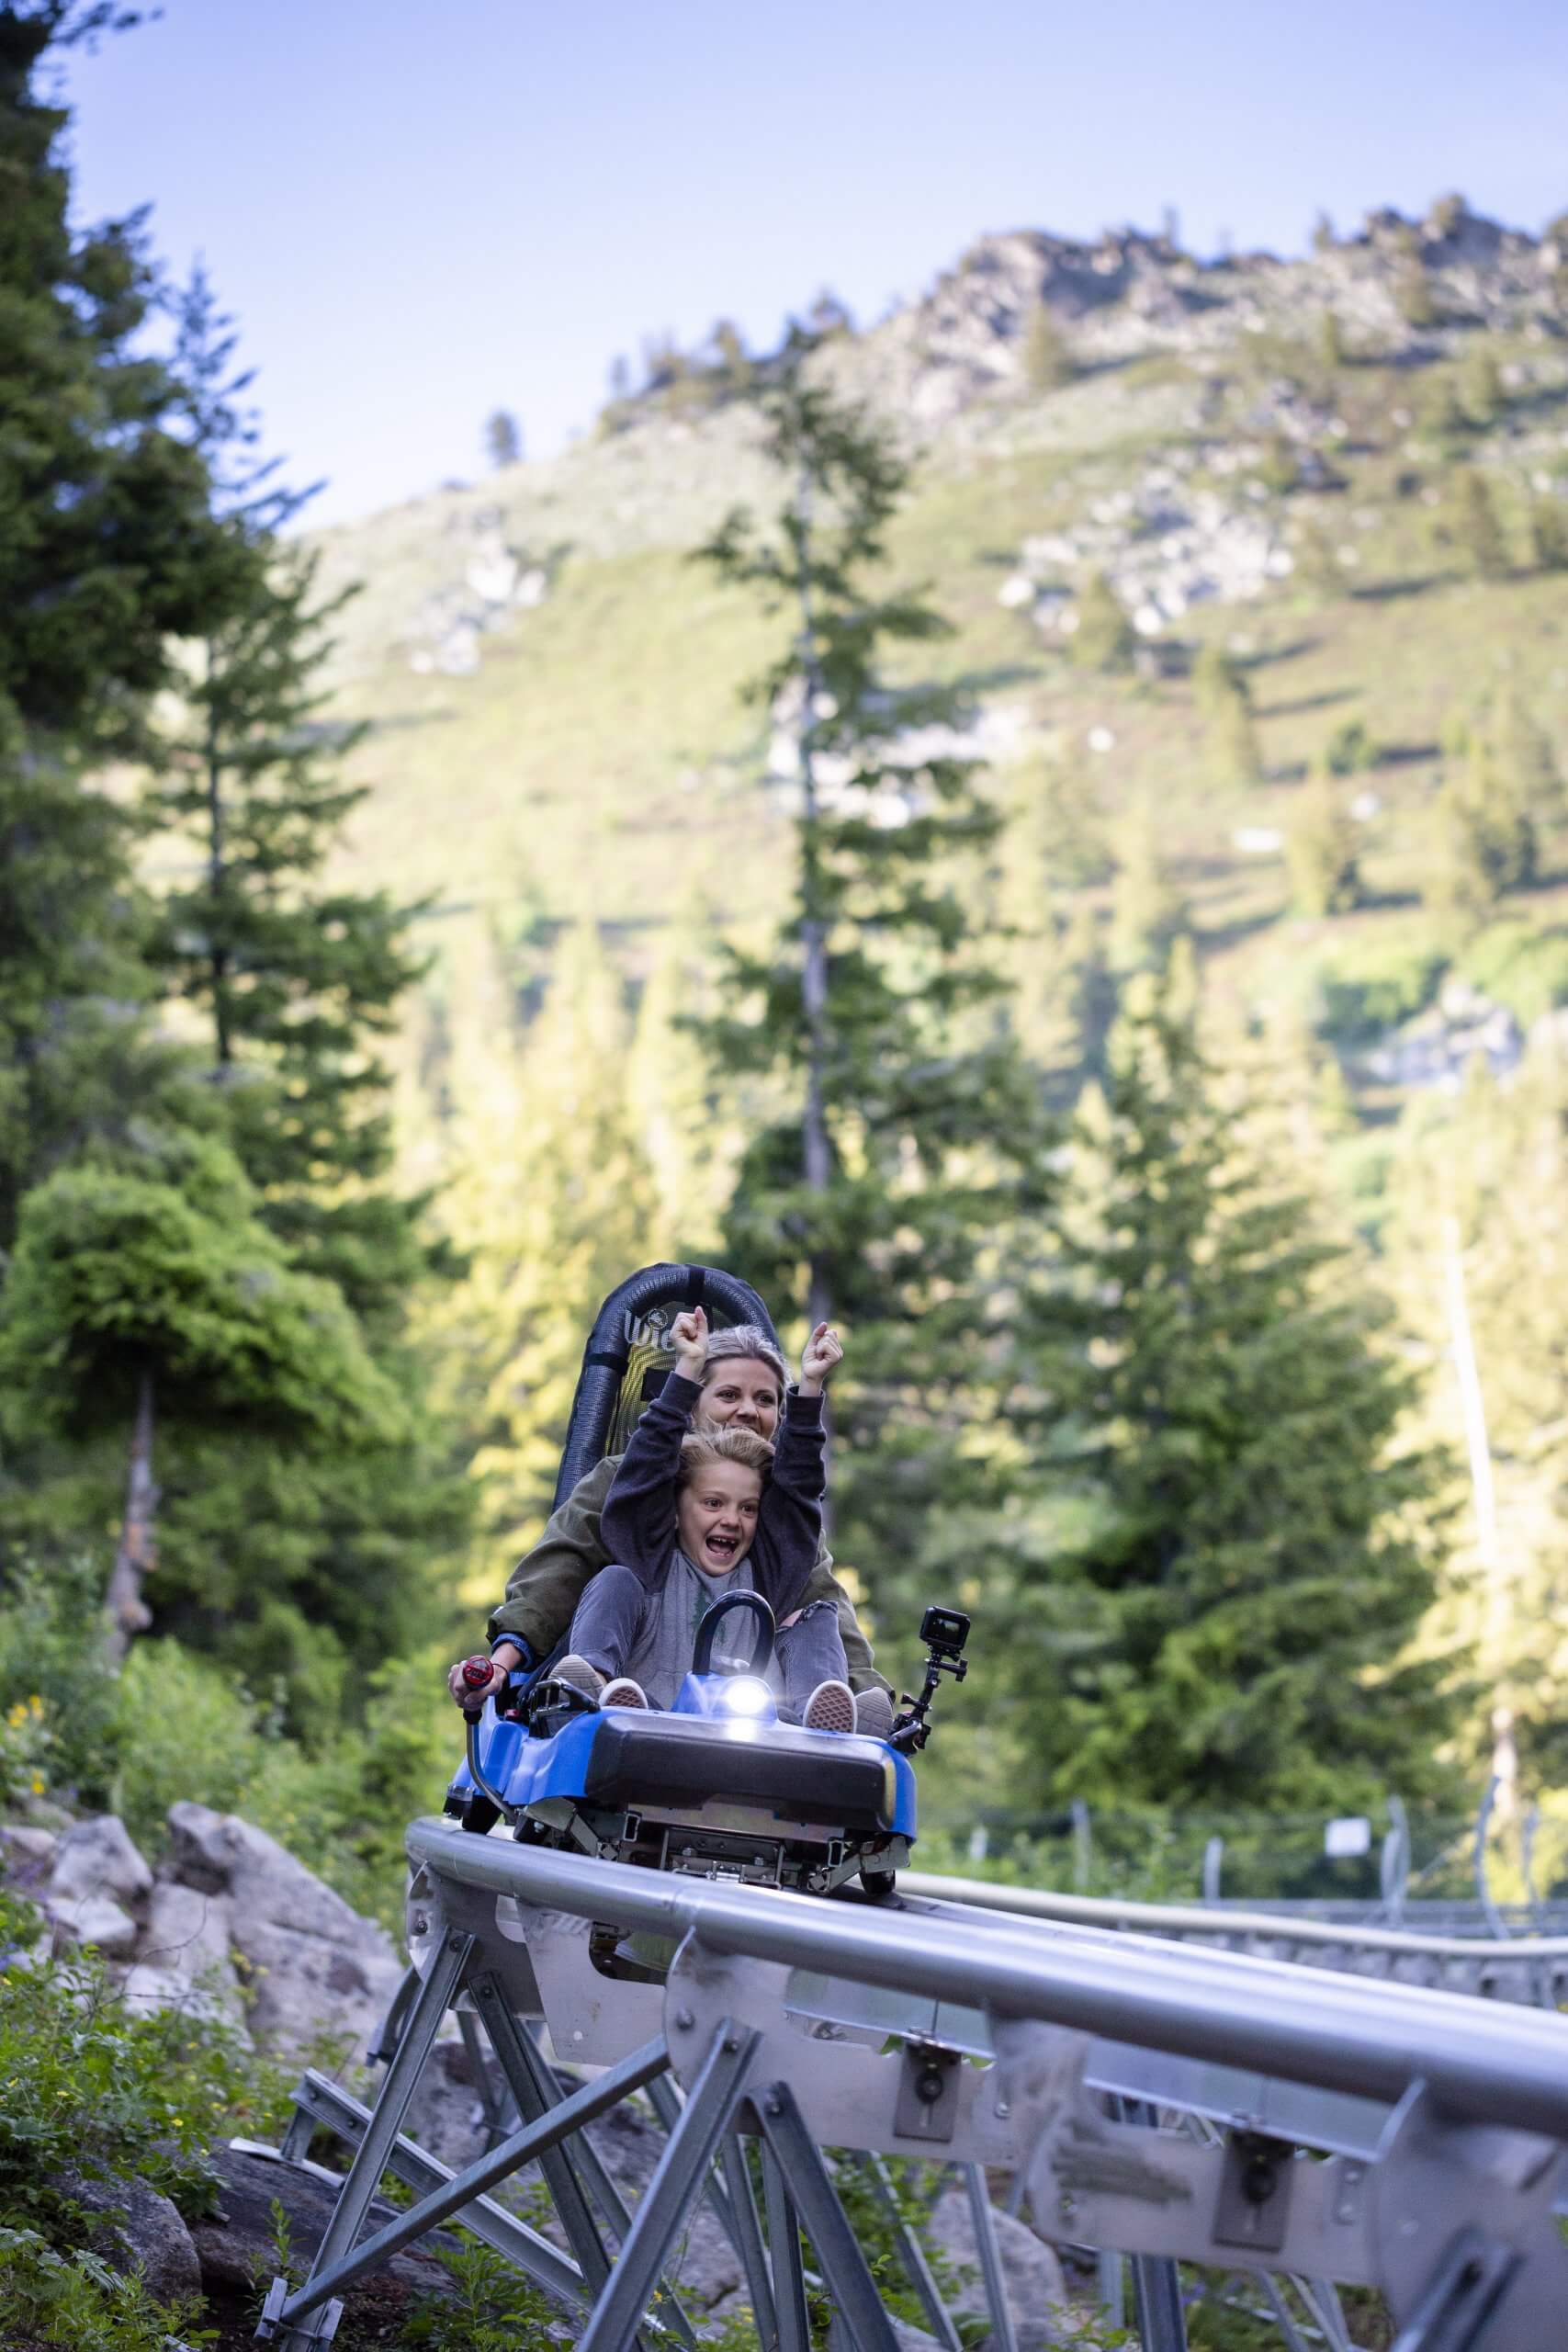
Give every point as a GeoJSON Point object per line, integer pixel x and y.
{"type": "Point", "coordinates": [100, 1887]}
{"type": "Point", "coordinates": [309, 1964]}
{"type": "Point", "coordinates": [236, 2243]}
{"type": "Point", "coordinates": [134, 2229]}
{"type": "Point", "coordinates": [231, 1925]}
{"type": "Point", "coordinates": [1036, 2291]}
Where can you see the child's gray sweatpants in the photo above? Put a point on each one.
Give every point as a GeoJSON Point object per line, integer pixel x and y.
{"type": "Point", "coordinates": [618, 1624]}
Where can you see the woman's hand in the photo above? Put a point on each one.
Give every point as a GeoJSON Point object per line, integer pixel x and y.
{"type": "Point", "coordinates": [821, 1352]}
{"type": "Point", "coordinates": [690, 1334]}
{"type": "Point", "coordinates": [466, 1695]}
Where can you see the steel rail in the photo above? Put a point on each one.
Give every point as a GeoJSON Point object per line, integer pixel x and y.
{"type": "Point", "coordinates": [1172, 1920]}
{"type": "Point", "coordinates": [1482, 2061]}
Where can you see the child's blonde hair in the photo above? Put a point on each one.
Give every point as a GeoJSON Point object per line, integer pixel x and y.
{"type": "Point", "coordinates": [701, 1446]}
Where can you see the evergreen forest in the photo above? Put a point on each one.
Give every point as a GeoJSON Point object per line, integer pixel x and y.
{"type": "Point", "coordinates": [1036, 832]}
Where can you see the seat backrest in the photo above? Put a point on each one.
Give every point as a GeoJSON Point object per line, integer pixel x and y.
{"type": "Point", "coordinates": [628, 1354]}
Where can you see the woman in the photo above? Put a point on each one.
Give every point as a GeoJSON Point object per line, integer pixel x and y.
{"type": "Point", "coordinates": [744, 1388]}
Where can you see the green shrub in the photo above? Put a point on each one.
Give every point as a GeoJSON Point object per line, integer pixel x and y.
{"type": "Point", "coordinates": [1524, 968]}
{"type": "Point", "coordinates": [1481, 388]}
{"type": "Point", "coordinates": [1549, 535]}
{"type": "Point", "coordinates": [76, 2301]}
{"type": "Point", "coordinates": [1280, 468]}
{"type": "Point", "coordinates": [173, 1725]}
{"type": "Point", "coordinates": [492, 2309]}
{"type": "Point", "coordinates": [1351, 749]}
{"type": "Point", "coordinates": [51, 1669]}
{"type": "Point", "coordinates": [1374, 986]}
{"type": "Point", "coordinates": [93, 2088]}
{"type": "Point", "coordinates": [1475, 527]}
{"type": "Point", "coordinates": [112, 2091]}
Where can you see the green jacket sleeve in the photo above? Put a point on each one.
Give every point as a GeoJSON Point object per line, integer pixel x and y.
{"type": "Point", "coordinates": [823, 1585]}
{"type": "Point", "coordinates": [543, 1588]}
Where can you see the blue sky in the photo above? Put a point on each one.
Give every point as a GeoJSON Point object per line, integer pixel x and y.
{"type": "Point", "coordinates": [421, 212]}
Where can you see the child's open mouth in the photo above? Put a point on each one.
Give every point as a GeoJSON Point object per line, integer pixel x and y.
{"type": "Point", "coordinates": [722, 1548]}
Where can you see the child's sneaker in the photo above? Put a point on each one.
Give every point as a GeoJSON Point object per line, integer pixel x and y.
{"type": "Point", "coordinates": [831, 1707]}
{"type": "Point", "coordinates": [623, 1693]}
{"type": "Point", "coordinates": [580, 1675]}
{"type": "Point", "coordinates": [874, 1713]}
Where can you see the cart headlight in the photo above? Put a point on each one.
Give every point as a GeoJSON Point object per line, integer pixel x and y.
{"type": "Point", "coordinates": [744, 1694]}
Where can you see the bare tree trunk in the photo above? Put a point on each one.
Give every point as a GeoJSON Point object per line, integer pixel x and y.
{"type": "Point", "coordinates": [813, 930]}
{"type": "Point", "coordinates": [127, 1611]}
{"type": "Point", "coordinates": [1495, 1641]}
{"type": "Point", "coordinates": [216, 847]}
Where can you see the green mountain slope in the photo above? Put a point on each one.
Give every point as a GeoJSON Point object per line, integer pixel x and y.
{"type": "Point", "coordinates": [1258, 455]}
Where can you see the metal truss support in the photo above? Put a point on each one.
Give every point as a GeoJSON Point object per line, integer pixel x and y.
{"type": "Point", "coordinates": [985, 2221]}
{"type": "Point", "coordinates": [1452, 2314]}
{"type": "Point", "coordinates": [665, 2101]}
{"type": "Point", "coordinates": [911, 2254]}
{"type": "Point", "coordinates": [494, 2104]}
{"type": "Point", "coordinates": [748, 2238]}
{"type": "Point", "coordinates": [1295, 2341]}
{"type": "Point", "coordinates": [573, 2175]}
{"type": "Point", "coordinates": [320, 2101]}
{"type": "Point", "coordinates": [1157, 2304]}
{"type": "Point", "coordinates": [339, 2264]}
{"type": "Point", "coordinates": [849, 2281]}
{"type": "Point", "coordinates": [421, 2024]}
{"type": "Point", "coordinates": [677, 2178]}
{"type": "Point", "coordinates": [783, 2248]}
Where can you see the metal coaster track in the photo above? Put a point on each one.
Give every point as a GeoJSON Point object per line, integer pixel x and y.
{"type": "Point", "coordinates": [1153, 2099]}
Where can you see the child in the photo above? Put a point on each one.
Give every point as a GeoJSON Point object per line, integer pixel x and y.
{"type": "Point", "coordinates": [691, 1517]}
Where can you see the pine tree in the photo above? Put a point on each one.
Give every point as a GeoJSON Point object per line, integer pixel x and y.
{"type": "Point", "coordinates": [1322, 850]}
{"type": "Point", "coordinates": [1481, 388]}
{"type": "Point", "coordinates": [1225, 699]}
{"type": "Point", "coordinates": [1548, 535]}
{"type": "Point", "coordinates": [911, 1144]}
{"type": "Point", "coordinates": [1242, 1553]}
{"type": "Point", "coordinates": [295, 980]}
{"type": "Point", "coordinates": [1048, 362]}
{"type": "Point", "coordinates": [1103, 639]}
{"type": "Point", "coordinates": [556, 1202]}
{"type": "Point", "coordinates": [1523, 754]}
{"type": "Point", "coordinates": [1475, 526]}
{"type": "Point", "coordinates": [1488, 839]}
{"type": "Point", "coordinates": [108, 551]}
{"type": "Point", "coordinates": [1148, 911]}
{"type": "Point", "coordinates": [502, 438]}
{"type": "Point", "coordinates": [148, 1284]}
{"type": "Point", "coordinates": [1477, 1203]}
{"type": "Point", "coordinates": [730, 356]}
{"type": "Point", "coordinates": [1413, 296]}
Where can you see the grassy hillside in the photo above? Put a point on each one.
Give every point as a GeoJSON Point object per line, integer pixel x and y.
{"type": "Point", "coordinates": [585, 754]}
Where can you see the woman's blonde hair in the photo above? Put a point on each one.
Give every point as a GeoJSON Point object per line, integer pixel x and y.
{"type": "Point", "coordinates": [744, 1342]}
{"type": "Point", "coordinates": [703, 1446]}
